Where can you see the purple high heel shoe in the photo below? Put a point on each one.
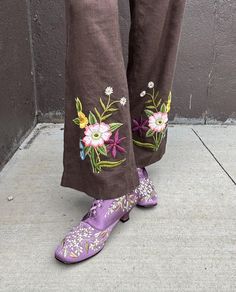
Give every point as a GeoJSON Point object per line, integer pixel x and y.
{"type": "Point", "coordinates": [145, 191]}
{"type": "Point", "coordinates": [89, 237]}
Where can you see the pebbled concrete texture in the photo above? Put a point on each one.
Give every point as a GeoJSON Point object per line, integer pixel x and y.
{"type": "Point", "coordinates": [187, 243]}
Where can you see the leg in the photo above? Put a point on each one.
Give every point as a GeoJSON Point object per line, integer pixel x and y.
{"type": "Point", "coordinates": [98, 148]}
{"type": "Point", "coordinates": [154, 39]}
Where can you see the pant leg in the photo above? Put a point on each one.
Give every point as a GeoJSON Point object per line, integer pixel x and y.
{"type": "Point", "coordinates": [98, 149]}
{"type": "Point", "coordinates": [154, 39]}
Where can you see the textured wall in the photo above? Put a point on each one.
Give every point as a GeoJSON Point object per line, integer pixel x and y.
{"type": "Point", "coordinates": [49, 48]}
{"type": "Point", "coordinates": [17, 99]}
{"type": "Point", "coordinates": [204, 86]}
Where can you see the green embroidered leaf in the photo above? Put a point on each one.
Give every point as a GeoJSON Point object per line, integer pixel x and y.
{"type": "Point", "coordinates": [148, 112]}
{"type": "Point", "coordinates": [159, 102]}
{"type": "Point", "coordinates": [76, 121]}
{"type": "Point", "coordinates": [150, 107]}
{"type": "Point", "coordinates": [97, 113]}
{"type": "Point", "coordinates": [160, 136]}
{"type": "Point", "coordinates": [92, 118]}
{"type": "Point", "coordinates": [87, 150]}
{"type": "Point", "coordinates": [163, 108]}
{"type": "Point", "coordinates": [169, 102]}
{"type": "Point", "coordinates": [170, 96]}
{"type": "Point", "coordinates": [150, 133]}
{"type": "Point", "coordinates": [115, 126]}
{"type": "Point", "coordinates": [112, 109]}
{"type": "Point", "coordinates": [102, 104]}
{"type": "Point", "coordinates": [102, 150]}
{"type": "Point", "coordinates": [156, 96]}
{"type": "Point", "coordinates": [79, 107]}
{"type": "Point", "coordinates": [148, 101]}
{"type": "Point", "coordinates": [110, 164]}
{"type": "Point", "coordinates": [106, 117]}
{"type": "Point", "coordinates": [145, 145]}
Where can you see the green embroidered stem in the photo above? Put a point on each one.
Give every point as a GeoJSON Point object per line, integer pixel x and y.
{"type": "Point", "coordinates": [110, 163]}
{"type": "Point", "coordinates": [106, 108]}
{"type": "Point", "coordinates": [145, 145]}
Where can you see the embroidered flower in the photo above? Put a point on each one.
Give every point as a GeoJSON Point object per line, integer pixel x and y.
{"type": "Point", "coordinates": [114, 145]}
{"type": "Point", "coordinates": [82, 153]}
{"type": "Point", "coordinates": [83, 121]}
{"type": "Point", "coordinates": [123, 101]}
{"type": "Point", "coordinates": [157, 122]}
{"type": "Point", "coordinates": [97, 134]}
{"type": "Point", "coordinates": [156, 109]}
{"type": "Point", "coordinates": [140, 126]}
{"type": "Point", "coordinates": [143, 93]}
{"type": "Point", "coordinates": [109, 90]}
{"type": "Point", "coordinates": [150, 84]}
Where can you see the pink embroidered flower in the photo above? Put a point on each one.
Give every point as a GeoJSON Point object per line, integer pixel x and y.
{"type": "Point", "coordinates": [158, 121]}
{"type": "Point", "coordinates": [114, 145]}
{"type": "Point", "coordinates": [96, 134]}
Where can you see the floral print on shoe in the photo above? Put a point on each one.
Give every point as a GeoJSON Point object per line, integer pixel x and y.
{"type": "Point", "coordinates": [90, 236]}
{"type": "Point", "coordinates": [145, 191]}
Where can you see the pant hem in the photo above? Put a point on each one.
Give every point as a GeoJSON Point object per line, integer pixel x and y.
{"type": "Point", "coordinates": [68, 181]}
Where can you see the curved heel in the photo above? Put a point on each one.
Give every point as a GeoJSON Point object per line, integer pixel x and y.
{"type": "Point", "coordinates": [125, 218]}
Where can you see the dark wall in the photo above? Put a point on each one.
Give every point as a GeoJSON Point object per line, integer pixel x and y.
{"type": "Point", "coordinates": [204, 86]}
{"type": "Point", "coordinates": [205, 83]}
{"type": "Point", "coordinates": [48, 26]}
{"type": "Point", "coordinates": [17, 97]}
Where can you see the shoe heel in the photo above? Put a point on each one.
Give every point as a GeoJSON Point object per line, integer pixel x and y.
{"type": "Point", "coordinates": [125, 218]}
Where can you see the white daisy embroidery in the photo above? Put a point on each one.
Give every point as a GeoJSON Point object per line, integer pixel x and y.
{"type": "Point", "coordinates": [150, 84]}
{"type": "Point", "coordinates": [109, 90]}
{"type": "Point", "coordinates": [123, 101]}
{"type": "Point", "coordinates": [143, 93]}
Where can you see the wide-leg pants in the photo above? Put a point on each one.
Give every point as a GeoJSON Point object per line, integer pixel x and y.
{"type": "Point", "coordinates": [116, 119]}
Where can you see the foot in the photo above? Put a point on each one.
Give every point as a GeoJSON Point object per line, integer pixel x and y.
{"type": "Point", "coordinates": [89, 237]}
{"type": "Point", "coordinates": [145, 191]}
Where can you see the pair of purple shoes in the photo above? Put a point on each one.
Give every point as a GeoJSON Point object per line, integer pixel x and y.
{"type": "Point", "coordinates": [89, 237]}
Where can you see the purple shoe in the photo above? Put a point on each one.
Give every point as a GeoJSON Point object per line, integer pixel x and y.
{"type": "Point", "coordinates": [89, 237]}
{"type": "Point", "coordinates": [145, 191]}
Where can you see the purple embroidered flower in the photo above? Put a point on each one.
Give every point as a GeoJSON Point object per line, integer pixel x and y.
{"type": "Point", "coordinates": [114, 144]}
{"type": "Point", "coordinates": [140, 126]}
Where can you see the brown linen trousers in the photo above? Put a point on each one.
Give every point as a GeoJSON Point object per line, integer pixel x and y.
{"type": "Point", "coordinates": [116, 118]}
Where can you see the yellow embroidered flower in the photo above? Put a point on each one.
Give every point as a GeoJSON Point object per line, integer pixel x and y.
{"type": "Point", "coordinates": [83, 121]}
{"type": "Point", "coordinates": [169, 102]}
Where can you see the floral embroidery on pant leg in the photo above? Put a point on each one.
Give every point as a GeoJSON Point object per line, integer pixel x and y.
{"type": "Point", "coordinates": [154, 126]}
{"type": "Point", "coordinates": [100, 137]}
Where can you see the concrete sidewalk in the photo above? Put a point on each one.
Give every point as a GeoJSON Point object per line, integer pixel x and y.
{"type": "Point", "coordinates": [187, 243]}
